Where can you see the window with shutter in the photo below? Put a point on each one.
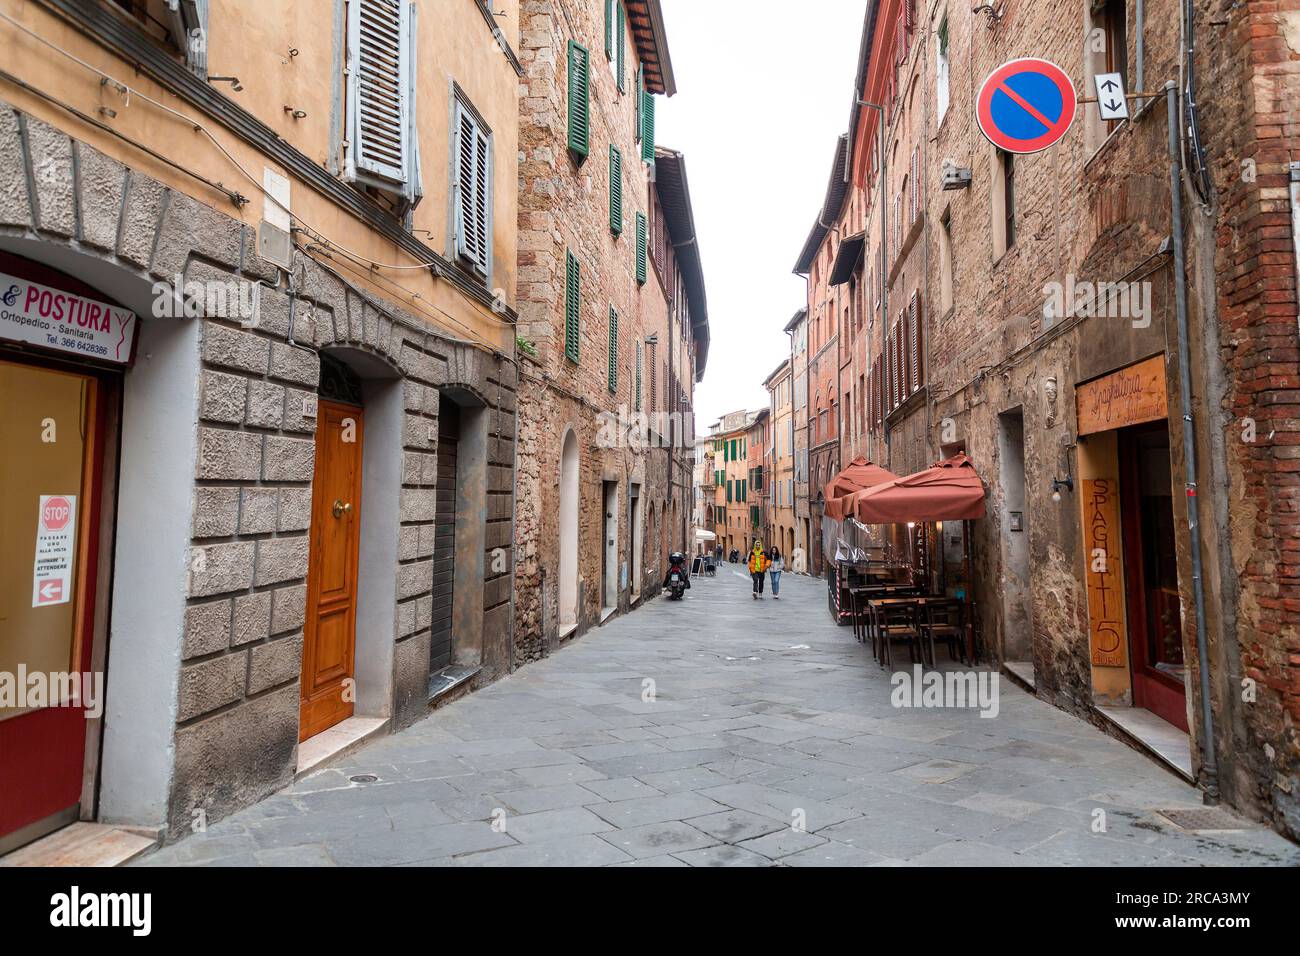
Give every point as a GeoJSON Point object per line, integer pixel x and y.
{"type": "Point", "coordinates": [873, 383]}
{"type": "Point", "coordinates": [472, 189]}
{"type": "Point", "coordinates": [638, 376]}
{"type": "Point", "coordinates": [654, 379]}
{"type": "Point", "coordinates": [622, 46]}
{"type": "Point", "coordinates": [898, 224]}
{"type": "Point", "coordinates": [579, 100]}
{"type": "Point", "coordinates": [615, 190]}
{"type": "Point", "coordinates": [642, 270]}
{"type": "Point", "coordinates": [611, 23]}
{"type": "Point", "coordinates": [640, 98]}
{"type": "Point", "coordinates": [572, 307]}
{"type": "Point", "coordinates": [900, 350]}
{"type": "Point", "coordinates": [381, 82]}
{"type": "Point", "coordinates": [915, 191]}
{"type": "Point", "coordinates": [914, 319]}
{"type": "Point", "coordinates": [613, 349]}
{"type": "Point", "coordinates": [648, 127]}
{"type": "Point", "coordinates": [187, 25]}
{"type": "Point", "coordinates": [905, 353]}
{"type": "Point", "coordinates": [894, 383]}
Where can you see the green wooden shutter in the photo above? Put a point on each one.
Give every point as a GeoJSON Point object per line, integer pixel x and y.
{"type": "Point", "coordinates": [572, 306]}
{"type": "Point", "coordinates": [648, 127]}
{"type": "Point", "coordinates": [613, 349]}
{"type": "Point", "coordinates": [622, 47]}
{"type": "Point", "coordinates": [641, 238]}
{"type": "Point", "coordinates": [579, 99]}
{"type": "Point", "coordinates": [638, 375]}
{"type": "Point", "coordinates": [615, 190]}
{"type": "Point", "coordinates": [640, 98]}
{"type": "Point", "coordinates": [609, 28]}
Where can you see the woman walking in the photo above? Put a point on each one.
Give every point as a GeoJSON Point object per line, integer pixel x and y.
{"type": "Point", "coordinates": [775, 565]}
{"type": "Point", "coordinates": [757, 565]}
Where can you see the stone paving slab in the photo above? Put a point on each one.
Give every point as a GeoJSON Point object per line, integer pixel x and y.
{"type": "Point", "coordinates": [770, 740]}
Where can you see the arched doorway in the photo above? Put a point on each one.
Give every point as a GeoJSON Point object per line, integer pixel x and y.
{"type": "Point", "coordinates": [569, 464]}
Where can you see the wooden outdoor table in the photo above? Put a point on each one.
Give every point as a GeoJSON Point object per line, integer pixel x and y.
{"type": "Point", "coordinates": [876, 604]}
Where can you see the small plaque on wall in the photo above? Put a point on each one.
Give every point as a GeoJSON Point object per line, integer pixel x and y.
{"type": "Point", "coordinates": [1017, 520]}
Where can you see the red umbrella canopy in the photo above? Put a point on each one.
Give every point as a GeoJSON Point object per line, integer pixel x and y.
{"type": "Point", "coordinates": [949, 490]}
{"type": "Point", "coordinates": [859, 474]}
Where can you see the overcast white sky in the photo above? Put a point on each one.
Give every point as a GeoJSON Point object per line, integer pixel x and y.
{"type": "Point", "coordinates": [763, 90]}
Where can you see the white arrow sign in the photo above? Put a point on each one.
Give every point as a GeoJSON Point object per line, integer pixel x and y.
{"type": "Point", "coordinates": [1110, 96]}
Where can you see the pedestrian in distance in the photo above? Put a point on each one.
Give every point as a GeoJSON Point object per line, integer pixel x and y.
{"type": "Point", "coordinates": [775, 565]}
{"type": "Point", "coordinates": [757, 568]}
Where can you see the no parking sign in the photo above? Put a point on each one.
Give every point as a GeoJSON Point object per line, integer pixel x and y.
{"type": "Point", "coordinates": [1026, 105]}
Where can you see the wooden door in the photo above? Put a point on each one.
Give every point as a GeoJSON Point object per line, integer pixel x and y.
{"type": "Point", "coordinates": [52, 431]}
{"type": "Point", "coordinates": [329, 634]}
{"type": "Point", "coordinates": [444, 536]}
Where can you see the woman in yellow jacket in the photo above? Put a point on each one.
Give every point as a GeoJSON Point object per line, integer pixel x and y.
{"type": "Point", "coordinates": [757, 567]}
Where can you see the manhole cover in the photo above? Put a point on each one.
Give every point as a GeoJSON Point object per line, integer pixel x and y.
{"type": "Point", "coordinates": [364, 778]}
{"type": "Point", "coordinates": [1204, 818]}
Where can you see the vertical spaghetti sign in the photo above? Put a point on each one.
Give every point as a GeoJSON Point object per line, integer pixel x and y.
{"type": "Point", "coordinates": [1105, 589]}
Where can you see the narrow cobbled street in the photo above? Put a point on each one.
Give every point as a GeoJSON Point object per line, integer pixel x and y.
{"type": "Point", "coordinates": [769, 740]}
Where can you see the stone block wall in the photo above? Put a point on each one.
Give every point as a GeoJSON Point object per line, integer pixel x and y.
{"type": "Point", "coordinates": [235, 734]}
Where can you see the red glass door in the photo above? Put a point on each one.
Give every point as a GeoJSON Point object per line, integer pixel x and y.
{"type": "Point", "coordinates": [1151, 573]}
{"type": "Point", "coordinates": [52, 432]}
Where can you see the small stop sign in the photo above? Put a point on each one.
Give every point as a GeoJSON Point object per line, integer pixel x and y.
{"type": "Point", "coordinates": [55, 514]}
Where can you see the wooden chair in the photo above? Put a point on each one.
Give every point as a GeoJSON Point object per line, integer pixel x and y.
{"type": "Point", "coordinates": [895, 621]}
{"type": "Point", "coordinates": [864, 615]}
{"type": "Point", "coordinates": [945, 621]}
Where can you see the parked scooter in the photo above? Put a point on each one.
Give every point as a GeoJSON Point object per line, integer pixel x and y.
{"type": "Point", "coordinates": [678, 579]}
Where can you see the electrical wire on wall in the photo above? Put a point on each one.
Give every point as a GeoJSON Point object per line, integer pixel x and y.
{"type": "Point", "coordinates": [1190, 146]}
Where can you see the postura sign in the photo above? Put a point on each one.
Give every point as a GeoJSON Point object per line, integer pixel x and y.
{"type": "Point", "coordinates": [64, 321]}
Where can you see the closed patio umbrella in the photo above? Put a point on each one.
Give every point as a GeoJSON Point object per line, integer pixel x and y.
{"type": "Point", "coordinates": [950, 490]}
{"type": "Point", "coordinates": [860, 474]}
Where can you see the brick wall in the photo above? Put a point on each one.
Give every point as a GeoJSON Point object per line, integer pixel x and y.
{"type": "Point", "coordinates": [564, 206]}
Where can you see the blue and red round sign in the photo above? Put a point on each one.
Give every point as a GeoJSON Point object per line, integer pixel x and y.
{"type": "Point", "coordinates": [1026, 105]}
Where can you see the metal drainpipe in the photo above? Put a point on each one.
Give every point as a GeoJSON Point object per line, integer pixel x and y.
{"type": "Point", "coordinates": [1209, 766]}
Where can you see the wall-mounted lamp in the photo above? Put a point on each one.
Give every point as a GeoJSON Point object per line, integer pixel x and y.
{"type": "Point", "coordinates": [1058, 484]}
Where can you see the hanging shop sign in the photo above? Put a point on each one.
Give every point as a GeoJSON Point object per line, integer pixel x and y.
{"type": "Point", "coordinates": [1131, 396]}
{"type": "Point", "coordinates": [1101, 535]}
{"type": "Point", "coordinates": [64, 321]}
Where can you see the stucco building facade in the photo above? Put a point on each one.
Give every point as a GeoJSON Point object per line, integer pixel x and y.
{"type": "Point", "coordinates": [288, 334]}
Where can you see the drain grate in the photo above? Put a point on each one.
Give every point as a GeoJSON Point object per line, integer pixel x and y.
{"type": "Point", "coordinates": [364, 778]}
{"type": "Point", "coordinates": [1204, 818]}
